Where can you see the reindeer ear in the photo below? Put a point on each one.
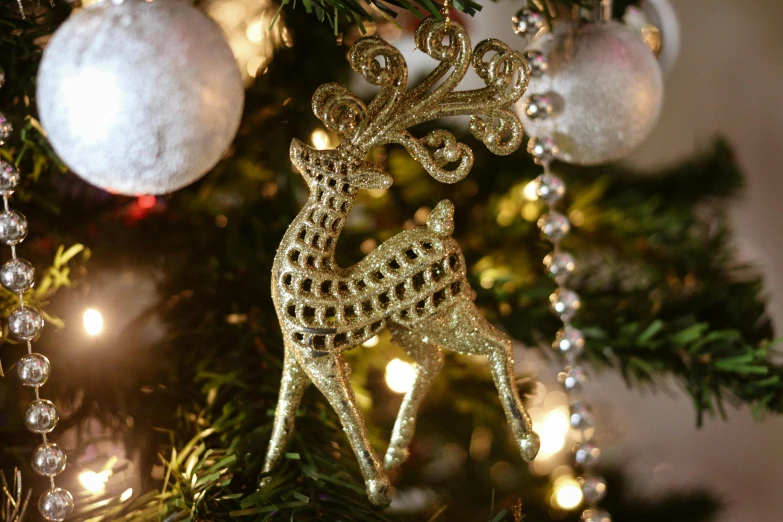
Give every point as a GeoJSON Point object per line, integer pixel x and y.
{"type": "Point", "coordinates": [370, 180]}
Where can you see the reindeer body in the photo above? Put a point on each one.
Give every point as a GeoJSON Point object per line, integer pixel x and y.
{"type": "Point", "coordinates": [415, 283]}
{"type": "Point", "coordinates": [328, 309]}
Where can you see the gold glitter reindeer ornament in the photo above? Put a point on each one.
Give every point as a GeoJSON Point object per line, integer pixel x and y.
{"type": "Point", "coordinates": [415, 283]}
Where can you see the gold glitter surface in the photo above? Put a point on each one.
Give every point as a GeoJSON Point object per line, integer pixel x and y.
{"type": "Point", "coordinates": [414, 284]}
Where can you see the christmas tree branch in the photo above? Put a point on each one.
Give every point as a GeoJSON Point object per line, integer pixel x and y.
{"type": "Point", "coordinates": [339, 13]}
{"type": "Point", "coordinates": [662, 294]}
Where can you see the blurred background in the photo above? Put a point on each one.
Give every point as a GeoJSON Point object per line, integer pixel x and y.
{"type": "Point", "coordinates": [727, 80]}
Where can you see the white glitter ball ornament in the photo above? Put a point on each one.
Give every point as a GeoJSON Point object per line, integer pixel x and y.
{"type": "Point", "coordinates": [606, 90]}
{"type": "Point", "coordinates": [140, 97]}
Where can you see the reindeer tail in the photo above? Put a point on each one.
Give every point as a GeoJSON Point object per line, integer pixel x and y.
{"type": "Point", "coordinates": [441, 219]}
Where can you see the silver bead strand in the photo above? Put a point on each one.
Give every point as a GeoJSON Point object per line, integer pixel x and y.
{"type": "Point", "coordinates": [25, 323]}
{"type": "Point", "coordinates": [528, 21]}
{"type": "Point", "coordinates": [565, 303]}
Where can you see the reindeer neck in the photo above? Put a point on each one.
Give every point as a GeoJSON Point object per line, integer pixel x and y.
{"type": "Point", "coordinates": [316, 229]}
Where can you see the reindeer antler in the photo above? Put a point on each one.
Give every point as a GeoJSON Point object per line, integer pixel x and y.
{"type": "Point", "coordinates": [394, 109]}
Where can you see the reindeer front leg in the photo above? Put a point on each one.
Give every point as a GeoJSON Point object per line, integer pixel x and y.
{"type": "Point", "coordinates": [332, 375]}
{"type": "Point", "coordinates": [292, 386]}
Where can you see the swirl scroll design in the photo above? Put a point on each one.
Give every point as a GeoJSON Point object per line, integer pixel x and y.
{"type": "Point", "coordinates": [447, 150]}
{"type": "Point", "coordinates": [383, 65]}
{"type": "Point", "coordinates": [364, 56]}
{"type": "Point", "coordinates": [338, 108]}
{"type": "Point", "coordinates": [395, 109]}
{"type": "Point", "coordinates": [506, 72]}
{"type": "Point", "coordinates": [501, 132]}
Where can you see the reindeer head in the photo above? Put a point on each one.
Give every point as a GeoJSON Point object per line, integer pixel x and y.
{"type": "Point", "coordinates": [395, 108]}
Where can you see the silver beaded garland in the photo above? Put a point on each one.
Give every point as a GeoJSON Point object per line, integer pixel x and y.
{"type": "Point", "coordinates": [25, 323]}
{"type": "Point", "coordinates": [594, 489]}
{"type": "Point", "coordinates": [538, 106]}
{"type": "Point", "coordinates": [587, 454]}
{"type": "Point", "coordinates": [570, 341]}
{"type": "Point", "coordinates": [549, 187]}
{"type": "Point", "coordinates": [9, 177]}
{"type": "Point", "coordinates": [5, 128]}
{"type": "Point", "coordinates": [17, 275]}
{"type": "Point", "coordinates": [559, 265]}
{"type": "Point", "coordinates": [41, 416]}
{"type": "Point", "coordinates": [565, 303]}
{"type": "Point", "coordinates": [555, 226]}
{"type": "Point", "coordinates": [592, 515]}
{"type": "Point", "coordinates": [574, 379]}
{"type": "Point", "coordinates": [581, 415]}
{"type": "Point", "coordinates": [56, 504]}
{"type": "Point", "coordinates": [542, 149]}
{"type": "Point", "coordinates": [528, 22]}
{"type": "Point", "coordinates": [13, 227]}
{"type": "Point", "coordinates": [48, 460]}
{"type": "Point", "coordinates": [33, 369]}
{"type": "Point", "coordinates": [537, 63]}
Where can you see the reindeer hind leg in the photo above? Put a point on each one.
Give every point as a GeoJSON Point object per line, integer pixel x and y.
{"type": "Point", "coordinates": [429, 362]}
{"type": "Point", "coordinates": [463, 329]}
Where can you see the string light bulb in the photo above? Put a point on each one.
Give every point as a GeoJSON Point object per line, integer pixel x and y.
{"type": "Point", "coordinates": [529, 191]}
{"type": "Point", "coordinates": [320, 139]}
{"type": "Point", "coordinates": [94, 482]}
{"type": "Point", "coordinates": [567, 494]}
{"type": "Point", "coordinates": [552, 429]}
{"type": "Point", "coordinates": [400, 376]}
{"type": "Point", "coordinates": [93, 322]}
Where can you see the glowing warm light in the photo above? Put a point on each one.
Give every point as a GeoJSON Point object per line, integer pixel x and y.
{"type": "Point", "coordinates": [94, 482]}
{"type": "Point", "coordinates": [320, 139]}
{"type": "Point", "coordinates": [146, 202]}
{"type": "Point", "coordinates": [255, 30]}
{"type": "Point", "coordinates": [400, 376]}
{"type": "Point", "coordinates": [529, 192]}
{"type": "Point", "coordinates": [530, 212]}
{"type": "Point", "coordinates": [250, 32]}
{"type": "Point", "coordinates": [372, 341]}
{"type": "Point", "coordinates": [93, 321]}
{"type": "Point", "coordinates": [552, 429]}
{"type": "Point", "coordinates": [568, 494]}
{"type": "Point", "coordinates": [128, 493]}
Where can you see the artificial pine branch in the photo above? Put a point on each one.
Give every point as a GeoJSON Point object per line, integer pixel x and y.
{"type": "Point", "coordinates": [345, 13]}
